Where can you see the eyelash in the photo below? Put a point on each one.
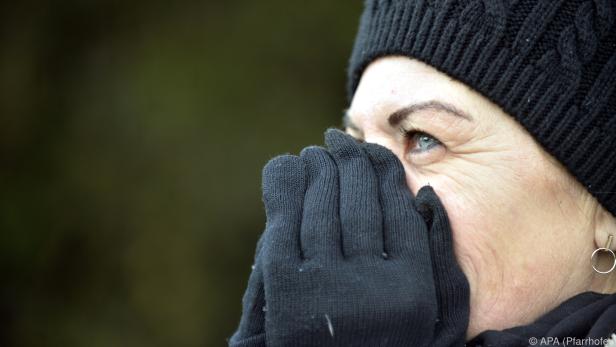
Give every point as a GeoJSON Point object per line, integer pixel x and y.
{"type": "Point", "coordinates": [409, 133]}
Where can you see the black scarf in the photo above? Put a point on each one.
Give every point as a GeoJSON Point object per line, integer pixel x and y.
{"type": "Point", "coordinates": [587, 319]}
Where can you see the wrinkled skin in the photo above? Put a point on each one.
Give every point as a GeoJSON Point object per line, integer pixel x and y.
{"type": "Point", "coordinates": [524, 228]}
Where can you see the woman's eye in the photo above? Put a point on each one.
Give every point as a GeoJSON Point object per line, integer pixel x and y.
{"type": "Point", "coordinates": [421, 142]}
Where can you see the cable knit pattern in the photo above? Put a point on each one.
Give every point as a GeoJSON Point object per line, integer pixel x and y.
{"type": "Point", "coordinates": [551, 64]}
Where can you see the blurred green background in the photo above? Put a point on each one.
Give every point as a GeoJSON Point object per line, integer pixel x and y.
{"type": "Point", "coordinates": [132, 137]}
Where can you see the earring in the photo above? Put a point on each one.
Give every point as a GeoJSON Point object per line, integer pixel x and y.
{"type": "Point", "coordinates": [604, 249]}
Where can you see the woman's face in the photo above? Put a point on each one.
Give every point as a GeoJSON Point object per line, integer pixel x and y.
{"type": "Point", "coordinates": [524, 229]}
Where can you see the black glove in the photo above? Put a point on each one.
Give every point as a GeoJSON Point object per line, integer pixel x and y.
{"type": "Point", "coordinates": [346, 255]}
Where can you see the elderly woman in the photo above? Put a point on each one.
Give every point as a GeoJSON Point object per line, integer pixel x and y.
{"type": "Point", "coordinates": [474, 202]}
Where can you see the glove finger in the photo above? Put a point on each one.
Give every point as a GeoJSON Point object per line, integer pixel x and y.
{"type": "Point", "coordinates": [404, 230]}
{"type": "Point", "coordinates": [360, 210]}
{"type": "Point", "coordinates": [452, 288]}
{"type": "Point", "coordinates": [284, 184]}
{"type": "Point", "coordinates": [320, 231]}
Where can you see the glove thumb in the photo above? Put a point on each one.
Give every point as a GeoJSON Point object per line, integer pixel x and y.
{"type": "Point", "coordinates": [452, 288]}
{"type": "Point", "coordinates": [251, 331]}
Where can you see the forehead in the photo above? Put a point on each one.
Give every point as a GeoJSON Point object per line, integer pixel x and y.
{"type": "Point", "coordinates": [392, 82]}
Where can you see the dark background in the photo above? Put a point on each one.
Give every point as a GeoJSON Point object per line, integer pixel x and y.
{"type": "Point", "coordinates": [132, 137]}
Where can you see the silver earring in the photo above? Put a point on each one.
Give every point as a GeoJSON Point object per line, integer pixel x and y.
{"type": "Point", "coordinates": [603, 249]}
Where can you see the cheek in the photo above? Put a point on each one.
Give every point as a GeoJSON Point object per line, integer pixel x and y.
{"type": "Point", "coordinates": [482, 199]}
{"type": "Point", "coordinates": [486, 209]}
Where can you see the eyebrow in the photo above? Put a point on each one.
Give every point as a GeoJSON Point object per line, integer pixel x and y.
{"type": "Point", "coordinates": [398, 116]}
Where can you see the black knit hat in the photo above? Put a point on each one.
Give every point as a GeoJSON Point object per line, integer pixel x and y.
{"type": "Point", "coordinates": [551, 64]}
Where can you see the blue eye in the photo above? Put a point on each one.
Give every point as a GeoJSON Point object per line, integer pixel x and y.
{"type": "Point", "coordinates": [421, 142]}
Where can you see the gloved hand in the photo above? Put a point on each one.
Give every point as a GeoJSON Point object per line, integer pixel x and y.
{"type": "Point", "coordinates": [346, 255]}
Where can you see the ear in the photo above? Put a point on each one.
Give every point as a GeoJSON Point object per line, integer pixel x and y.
{"type": "Point", "coordinates": [605, 225]}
